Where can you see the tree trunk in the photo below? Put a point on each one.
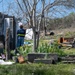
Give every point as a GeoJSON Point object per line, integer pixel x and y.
{"type": "Point", "coordinates": [34, 26]}
{"type": "Point", "coordinates": [7, 44]}
{"type": "Point", "coordinates": [37, 40]}
{"type": "Point", "coordinates": [34, 40]}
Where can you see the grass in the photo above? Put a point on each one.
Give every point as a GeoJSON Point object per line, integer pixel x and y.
{"type": "Point", "coordinates": [69, 51]}
{"type": "Point", "coordinates": [38, 69]}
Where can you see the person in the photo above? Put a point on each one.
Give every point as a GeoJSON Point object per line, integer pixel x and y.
{"type": "Point", "coordinates": [20, 36]}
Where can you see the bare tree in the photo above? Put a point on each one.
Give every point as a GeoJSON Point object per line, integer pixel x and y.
{"type": "Point", "coordinates": [34, 11]}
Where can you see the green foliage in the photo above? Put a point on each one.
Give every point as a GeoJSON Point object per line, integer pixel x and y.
{"type": "Point", "coordinates": [24, 50]}
{"type": "Point", "coordinates": [50, 48]}
{"type": "Point", "coordinates": [12, 52]}
{"type": "Point", "coordinates": [43, 48]}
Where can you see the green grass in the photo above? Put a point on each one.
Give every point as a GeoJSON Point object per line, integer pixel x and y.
{"type": "Point", "coordinates": [38, 69]}
{"type": "Point", "coordinates": [69, 51]}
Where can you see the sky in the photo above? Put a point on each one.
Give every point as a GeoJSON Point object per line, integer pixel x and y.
{"type": "Point", "coordinates": [4, 8]}
{"type": "Point", "coordinates": [4, 5]}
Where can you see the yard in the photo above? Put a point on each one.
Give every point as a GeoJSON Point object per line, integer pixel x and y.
{"type": "Point", "coordinates": [29, 68]}
{"type": "Point", "coordinates": [39, 15]}
{"type": "Point", "coordinates": [41, 69]}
